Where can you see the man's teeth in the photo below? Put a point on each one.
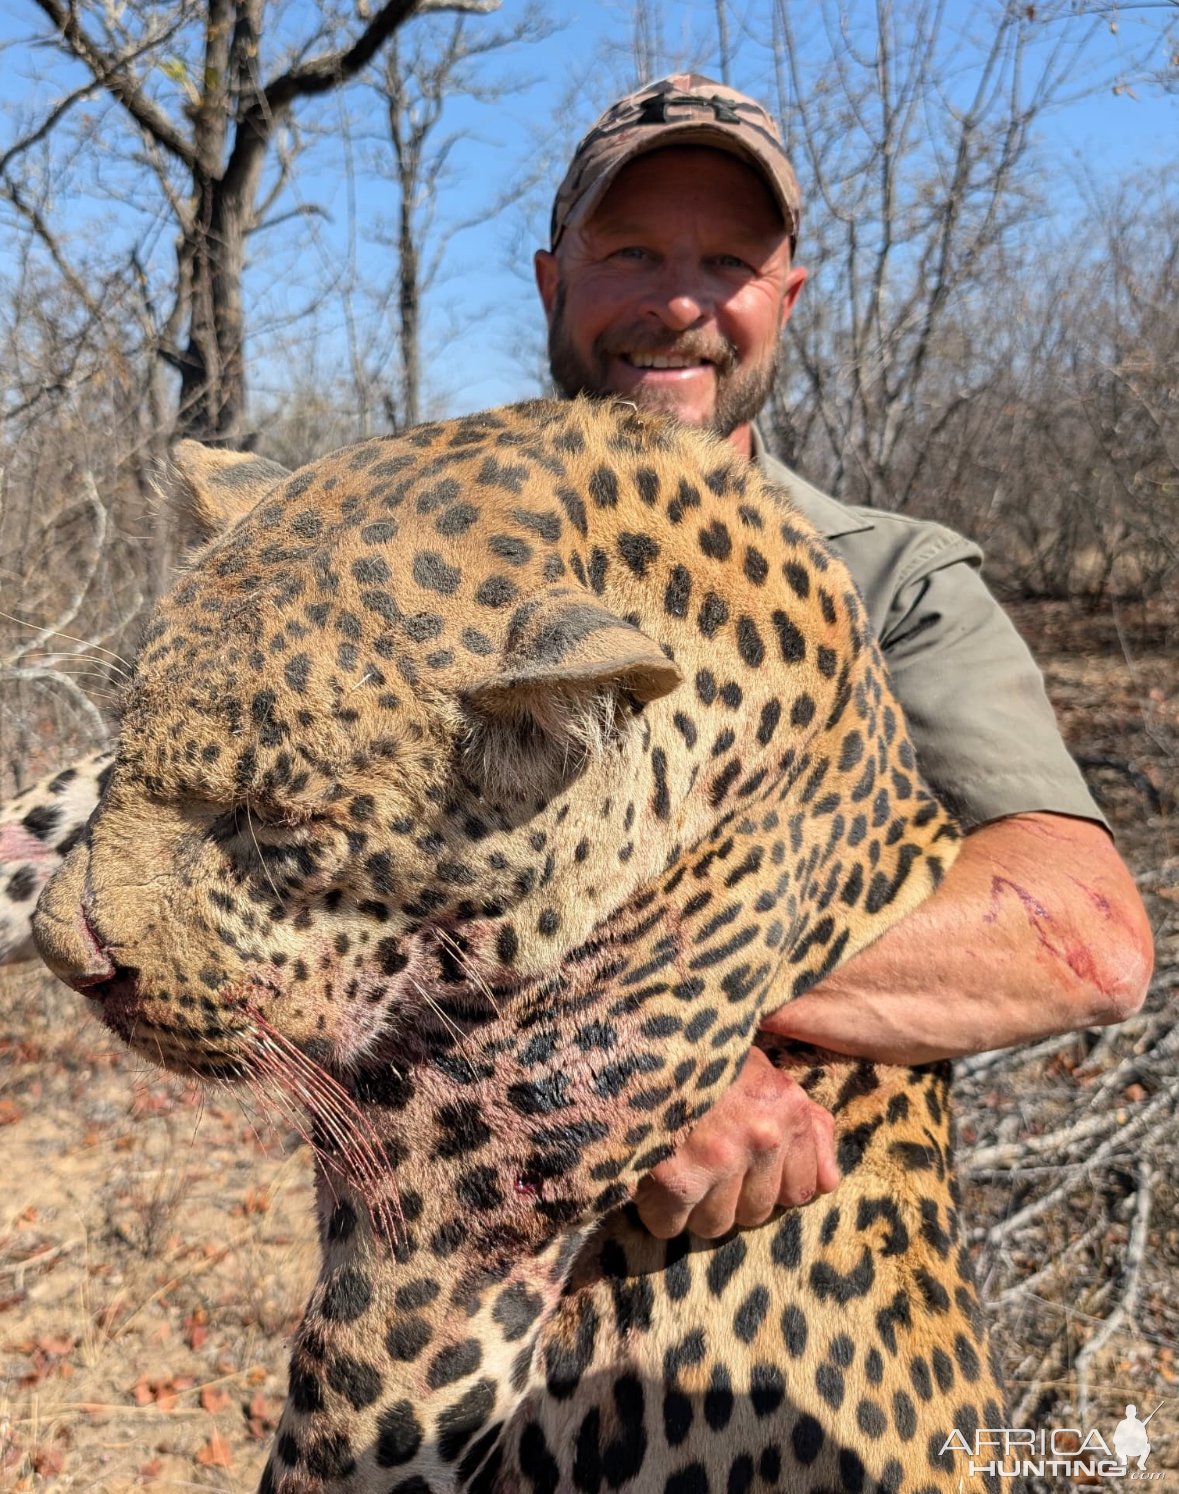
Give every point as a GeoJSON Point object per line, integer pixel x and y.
{"type": "Point", "coordinates": [659, 360]}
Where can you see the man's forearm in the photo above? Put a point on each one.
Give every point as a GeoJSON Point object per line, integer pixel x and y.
{"type": "Point", "coordinates": [1037, 929]}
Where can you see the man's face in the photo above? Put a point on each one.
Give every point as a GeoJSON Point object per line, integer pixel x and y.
{"type": "Point", "coordinates": [675, 291]}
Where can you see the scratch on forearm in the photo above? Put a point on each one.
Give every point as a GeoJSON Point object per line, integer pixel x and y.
{"type": "Point", "coordinates": [1034, 906]}
{"type": "Point", "coordinates": [1098, 899]}
{"type": "Point", "coordinates": [1077, 956]}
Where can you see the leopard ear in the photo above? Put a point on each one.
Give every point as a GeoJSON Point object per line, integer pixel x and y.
{"type": "Point", "coordinates": [213, 488]}
{"type": "Point", "coordinates": [568, 642]}
{"type": "Point", "coordinates": [571, 678]}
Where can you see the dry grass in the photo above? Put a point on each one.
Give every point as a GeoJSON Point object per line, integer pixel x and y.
{"type": "Point", "coordinates": [1072, 1143]}
{"type": "Point", "coordinates": [156, 1243]}
{"type": "Point", "coordinates": [155, 1252]}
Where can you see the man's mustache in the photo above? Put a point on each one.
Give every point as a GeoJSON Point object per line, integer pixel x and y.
{"type": "Point", "coordinates": [689, 345]}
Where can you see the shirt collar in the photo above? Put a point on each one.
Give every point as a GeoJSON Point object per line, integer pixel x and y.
{"type": "Point", "coordinates": [829, 517]}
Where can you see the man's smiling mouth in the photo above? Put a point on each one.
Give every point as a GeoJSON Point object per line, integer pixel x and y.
{"type": "Point", "coordinates": [664, 360]}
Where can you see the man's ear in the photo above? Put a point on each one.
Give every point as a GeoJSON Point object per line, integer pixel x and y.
{"type": "Point", "coordinates": [548, 278]}
{"type": "Point", "coordinates": [795, 280]}
{"type": "Point", "coordinates": [212, 488]}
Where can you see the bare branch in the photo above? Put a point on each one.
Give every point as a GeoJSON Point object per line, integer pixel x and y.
{"type": "Point", "coordinates": [73, 604]}
{"type": "Point", "coordinates": [36, 220]}
{"type": "Point", "coordinates": [1123, 1313]}
{"type": "Point", "coordinates": [115, 75]}
{"type": "Point", "coordinates": [36, 674]}
{"type": "Point", "coordinates": [300, 210]}
{"type": "Point", "coordinates": [321, 74]}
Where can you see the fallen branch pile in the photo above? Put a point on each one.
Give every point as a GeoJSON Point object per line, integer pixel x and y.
{"type": "Point", "coordinates": [1068, 1149]}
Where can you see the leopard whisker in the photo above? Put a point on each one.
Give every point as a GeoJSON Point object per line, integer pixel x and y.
{"type": "Point", "coordinates": [261, 858]}
{"type": "Point", "coordinates": [84, 674]}
{"type": "Point", "coordinates": [432, 1002]}
{"type": "Point", "coordinates": [202, 1096]}
{"type": "Point", "coordinates": [463, 963]}
{"type": "Point", "coordinates": [330, 1104]}
{"type": "Point", "coordinates": [85, 642]}
{"type": "Point", "coordinates": [247, 1113]}
{"type": "Point", "coordinates": [275, 1097]}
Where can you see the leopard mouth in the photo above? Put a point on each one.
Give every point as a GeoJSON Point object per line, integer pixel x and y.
{"type": "Point", "coordinates": [121, 1005]}
{"type": "Point", "coordinates": [114, 992]}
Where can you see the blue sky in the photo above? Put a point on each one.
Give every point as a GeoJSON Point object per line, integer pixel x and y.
{"type": "Point", "coordinates": [482, 327]}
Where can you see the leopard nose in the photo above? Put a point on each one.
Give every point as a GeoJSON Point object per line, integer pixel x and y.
{"type": "Point", "coordinates": [62, 931]}
{"type": "Point", "coordinates": [72, 949]}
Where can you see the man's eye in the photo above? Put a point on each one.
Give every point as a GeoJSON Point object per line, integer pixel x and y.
{"type": "Point", "coordinates": [631, 251]}
{"type": "Point", "coordinates": [730, 262]}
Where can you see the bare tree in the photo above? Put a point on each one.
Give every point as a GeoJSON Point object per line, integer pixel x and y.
{"type": "Point", "coordinates": [723, 53]}
{"type": "Point", "coordinates": [167, 112]}
{"type": "Point", "coordinates": [206, 134]}
{"type": "Point", "coordinates": [647, 45]}
{"type": "Point", "coordinates": [916, 142]}
{"type": "Point", "coordinates": [77, 538]}
{"type": "Point", "coordinates": [435, 65]}
{"type": "Point", "coordinates": [1084, 418]}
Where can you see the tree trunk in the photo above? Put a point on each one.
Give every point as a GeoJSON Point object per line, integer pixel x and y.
{"type": "Point", "coordinates": [409, 309]}
{"type": "Point", "coordinates": [212, 364]}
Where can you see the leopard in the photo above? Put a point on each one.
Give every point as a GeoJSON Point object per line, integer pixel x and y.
{"type": "Point", "coordinates": [479, 789]}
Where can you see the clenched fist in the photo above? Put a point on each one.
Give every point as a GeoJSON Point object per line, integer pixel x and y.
{"type": "Point", "coordinates": [764, 1143]}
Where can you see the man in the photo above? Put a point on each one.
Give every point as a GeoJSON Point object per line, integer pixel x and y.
{"type": "Point", "coordinates": [669, 279]}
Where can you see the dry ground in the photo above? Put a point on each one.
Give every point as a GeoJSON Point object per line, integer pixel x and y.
{"type": "Point", "coordinates": [156, 1241]}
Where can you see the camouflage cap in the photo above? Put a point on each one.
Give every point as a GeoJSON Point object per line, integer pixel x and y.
{"type": "Point", "coordinates": [686, 109]}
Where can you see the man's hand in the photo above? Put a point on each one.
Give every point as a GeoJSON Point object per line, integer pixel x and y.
{"type": "Point", "coordinates": [764, 1143]}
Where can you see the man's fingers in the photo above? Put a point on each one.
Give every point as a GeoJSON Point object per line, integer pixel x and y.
{"type": "Point", "coordinates": [827, 1176]}
{"type": "Point", "coordinates": [798, 1160]}
{"type": "Point", "coordinates": [666, 1197]}
{"type": "Point", "coordinates": [716, 1212]}
{"type": "Point", "coordinates": [808, 1161]}
{"type": "Point", "coordinates": [765, 1144]}
{"type": "Point", "coordinates": [759, 1192]}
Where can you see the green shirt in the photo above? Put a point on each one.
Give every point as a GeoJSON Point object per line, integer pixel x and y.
{"type": "Point", "coordinates": [985, 735]}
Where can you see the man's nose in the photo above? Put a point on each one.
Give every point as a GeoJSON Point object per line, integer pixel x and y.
{"type": "Point", "coordinates": [683, 311]}
{"type": "Point", "coordinates": [677, 300]}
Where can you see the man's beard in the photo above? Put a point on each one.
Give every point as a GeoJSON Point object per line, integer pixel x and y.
{"type": "Point", "coordinates": [741, 389]}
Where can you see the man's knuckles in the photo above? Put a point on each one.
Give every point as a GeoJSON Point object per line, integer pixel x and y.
{"type": "Point", "coordinates": [777, 1094]}
{"type": "Point", "coordinates": [822, 1118]}
{"type": "Point", "coordinates": [715, 1155]}
{"type": "Point", "coordinates": [678, 1184]}
{"type": "Point", "coordinates": [767, 1136]}
{"type": "Point", "coordinates": [763, 1085]}
{"type": "Point", "coordinates": [714, 1215]}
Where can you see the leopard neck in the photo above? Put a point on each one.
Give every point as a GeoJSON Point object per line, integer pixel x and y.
{"type": "Point", "coordinates": [509, 1143]}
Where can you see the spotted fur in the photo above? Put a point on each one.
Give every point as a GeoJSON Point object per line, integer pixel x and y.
{"type": "Point", "coordinates": [38, 827]}
{"type": "Point", "coordinates": [485, 786]}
